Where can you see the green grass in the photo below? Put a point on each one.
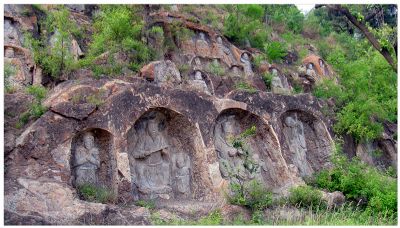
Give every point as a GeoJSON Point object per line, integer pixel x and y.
{"type": "Point", "coordinates": [216, 69]}
{"type": "Point", "coordinates": [345, 215]}
{"type": "Point", "coordinates": [245, 87]}
{"type": "Point", "coordinates": [98, 194]}
{"type": "Point", "coordinates": [149, 204]}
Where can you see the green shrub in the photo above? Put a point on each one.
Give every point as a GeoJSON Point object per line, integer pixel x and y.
{"type": "Point", "coordinates": [245, 23]}
{"type": "Point", "coordinates": [246, 87]}
{"type": "Point", "coordinates": [37, 110]}
{"type": "Point", "coordinates": [297, 88]}
{"type": "Point", "coordinates": [38, 91]}
{"type": "Point", "coordinates": [23, 119]}
{"type": "Point", "coordinates": [306, 196]}
{"type": "Point", "coordinates": [98, 194]}
{"type": "Point", "coordinates": [118, 28]}
{"type": "Point", "coordinates": [267, 78]}
{"type": "Point", "coordinates": [149, 204]}
{"type": "Point", "coordinates": [289, 15]}
{"type": "Point", "coordinates": [252, 195]}
{"type": "Point", "coordinates": [359, 181]}
{"type": "Point", "coordinates": [216, 69]}
{"type": "Point", "coordinates": [9, 70]}
{"type": "Point", "coordinates": [275, 51]}
{"type": "Point", "coordinates": [184, 68]}
{"type": "Point", "coordinates": [157, 31]}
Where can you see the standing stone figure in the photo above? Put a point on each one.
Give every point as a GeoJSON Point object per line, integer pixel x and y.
{"type": "Point", "coordinates": [86, 161]}
{"type": "Point", "coordinates": [230, 162]}
{"type": "Point", "coordinates": [294, 132]}
{"type": "Point", "coordinates": [247, 64]}
{"type": "Point", "coordinates": [182, 175]}
{"type": "Point", "coordinates": [202, 47]}
{"type": "Point", "coordinates": [152, 172]}
{"type": "Point", "coordinates": [224, 52]}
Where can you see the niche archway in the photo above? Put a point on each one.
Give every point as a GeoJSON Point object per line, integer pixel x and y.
{"type": "Point", "coordinates": [92, 159]}
{"type": "Point", "coordinates": [166, 157]}
{"type": "Point", "coordinates": [306, 142]}
{"type": "Point", "coordinates": [264, 147]}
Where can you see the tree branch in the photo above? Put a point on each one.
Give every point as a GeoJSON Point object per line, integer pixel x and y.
{"type": "Point", "coordinates": [364, 29]}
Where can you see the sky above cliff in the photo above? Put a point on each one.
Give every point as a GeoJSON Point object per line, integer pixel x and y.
{"type": "Point", "coordinates": [305, 8]}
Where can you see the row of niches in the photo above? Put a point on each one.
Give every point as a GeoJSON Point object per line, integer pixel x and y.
{"type": "Point", "coordinates": [167, 159]}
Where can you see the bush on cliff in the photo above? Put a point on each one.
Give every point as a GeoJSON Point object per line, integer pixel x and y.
{"type": "Point", "coordinates": [118, 28]}
{"type": "Point", "coordinates": [365, 185]}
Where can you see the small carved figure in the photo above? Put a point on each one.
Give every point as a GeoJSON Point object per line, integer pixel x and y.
{"type": "Point", "coordinates": [182, 174]}
{"type": "Point", "coordinates": [310, 70]}
{"type": "Point", "coordinates": [87, 161]}
{"type": "Point", "coordinates": [247, 64]}
{"type": "Point", "coordinates": [224, 52]}
{"type": "Point", "coordinates": [276, 81]}
{"type": "Point", "coordinates": [202, 46]}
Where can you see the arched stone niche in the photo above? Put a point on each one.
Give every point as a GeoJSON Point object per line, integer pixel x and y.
{"type": "Point", "coordinates": [166, 157]}
{"type": "Point", "coordinates": [201, 81]}
{"type": "Point", "coordinates": [266, 154]}
{"type": "Point", "coordinates": [306, 142]}
{"type": "Point", "coordinates": [92, 158]}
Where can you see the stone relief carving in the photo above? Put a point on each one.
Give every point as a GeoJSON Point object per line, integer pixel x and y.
{"type": "Point", "coordinates": [231, 160]}
{"type": "Point", "coordinates": [224, 52]}
{"type": "Point", "coordinates": [181, 175]}
{"type": "Point", "coordinates": [86, 161]}
{"type": "Point", "coordinates": [199, 83]}
{"type": "Point", "coordinates": [276, 81]}
{"type": "Point", "coordinates": [294, 132]}
{"type": "Point", "coordinates": [279, 83]}
{"type": "Point", "coordinates": [161, 169]}
{"type": "Point", "coordinates": [202, 46]}
{"type": "Point", "coordinates": [152, 159]}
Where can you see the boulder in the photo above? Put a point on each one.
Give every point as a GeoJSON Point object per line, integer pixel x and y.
{"type": "Point", "coordinates": [333, 199]}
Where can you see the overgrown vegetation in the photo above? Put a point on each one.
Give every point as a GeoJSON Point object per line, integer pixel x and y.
{"type": "Point", "coordinates": [275, 51]}
{"type": "Point", "coordinates": [370, 188]}
{"type": "Point", "coordinates": [94, 193]}
{"type": "Point", "coordinates": [267, 78]}
{"type": "Point", "coordinates": [307, 197]}
{"type": "Point", "coordinates": [149, 204]}
{"type": "Point", "coordinates": [9, 71]}
{"type": "Point", "coordinates": [245, 87]}
{"type": "Point", "coordinates": [216, 69]}
{"type": "Point", "coordinates": [36, 109]}
{"type": "Point", "coordinates": [118, 30]}
{"type": "Point", "coordinates": [54, 55]}
{"type": "Point", "coordinates": [367, 92]}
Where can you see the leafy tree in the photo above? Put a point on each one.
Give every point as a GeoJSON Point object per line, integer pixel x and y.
{"type": "Point", "coordinates": [55, 57]}
{"type": "Point", "coordinates": [289, 15]}
{"type": "Point", "coordinates": [245, 24]}
{"type": "Point", "coordinates": [357, 19]}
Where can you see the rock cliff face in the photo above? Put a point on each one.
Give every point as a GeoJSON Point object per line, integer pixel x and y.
{"type": "Point", "coordinates": [162, 134]}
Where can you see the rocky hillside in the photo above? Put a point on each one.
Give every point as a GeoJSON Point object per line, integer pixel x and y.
{"type": "Point", "coordinates": [136, 114]}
